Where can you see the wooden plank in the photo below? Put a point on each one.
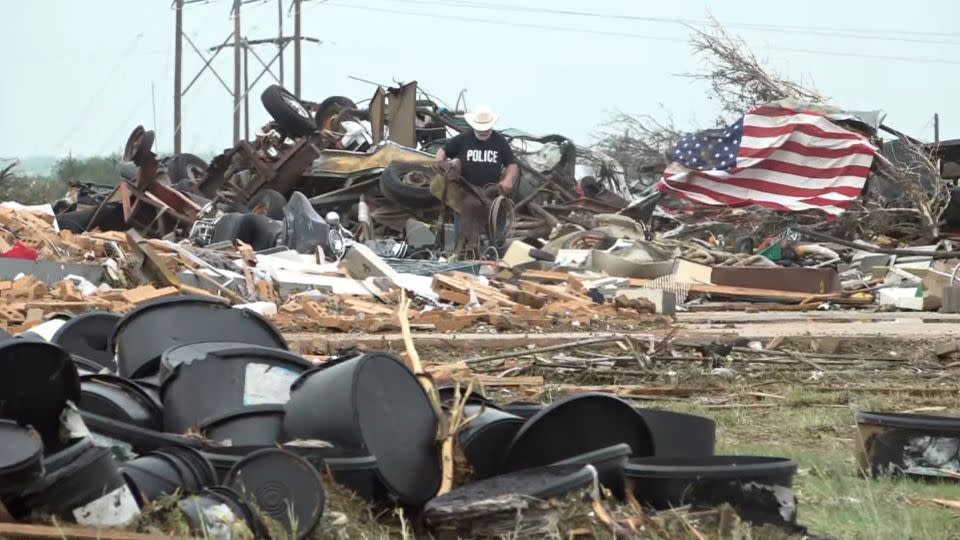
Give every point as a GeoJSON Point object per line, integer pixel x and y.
{"type": "Point", "coordinates": [636, 390]}
{"type": "Point", "coordinates": [552, 292]}
{"type": "Point", "coordinates": [146, 293]}
{"type": "Point", "coordinates": [23, 530]}
{"type": "Point", "coordinates": [746, 292]}
{"type": "Point", "coordinates": [543, 275]}
{"type": "Point", "coordinates": [492, 380]}
{"type": "Point", "coordinates": [154, 263]}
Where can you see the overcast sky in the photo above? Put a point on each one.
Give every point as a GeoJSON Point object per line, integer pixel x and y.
{"type": "Point", "coordinates": [78, 76]}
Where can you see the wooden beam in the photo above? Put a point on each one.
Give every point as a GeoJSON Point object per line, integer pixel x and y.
{"type": "Point", "coordinates": [22, 530]}
{"type": "Point", "coordinates": [152, 260]}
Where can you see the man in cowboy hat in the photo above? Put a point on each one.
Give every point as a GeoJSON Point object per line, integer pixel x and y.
{"type": "Point", "coordinates": [485, 158]}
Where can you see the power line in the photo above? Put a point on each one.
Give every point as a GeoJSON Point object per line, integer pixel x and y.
{"type": "Point", "coordinates": [634, 36]}
{"type": "Point", "coordinates": [815, 30]}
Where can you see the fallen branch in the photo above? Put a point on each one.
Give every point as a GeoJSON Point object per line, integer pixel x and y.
{"type": "Point", "coordinates": [549, 348]}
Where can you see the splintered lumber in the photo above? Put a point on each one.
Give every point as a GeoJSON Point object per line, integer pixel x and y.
{"type": "Point", "coordinates": [560, 347]}
{"type": "Point", "coordinates": [492, 380]}
{"type": "Point", "coordinates": [146, 293]}
{"type": "Point", "coordinates": [766, 294]}
{"type": "Point", "coordinates": [635, 390]}
{"type": "Point", "coordinates": [543, 275]}
{"type": "Point", "coordinates": [462, 287]}
{"type": "Point", "coordinates": [558, 293]}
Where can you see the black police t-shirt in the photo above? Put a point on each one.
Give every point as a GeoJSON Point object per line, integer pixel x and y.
{"type": "Point", "coordinates": [482, 162]}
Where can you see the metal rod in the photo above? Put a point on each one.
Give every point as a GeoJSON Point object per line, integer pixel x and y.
{"type": "Point", "coordinates": [257, 56]}
{"type": "Point", "coordinates": [246, 94]}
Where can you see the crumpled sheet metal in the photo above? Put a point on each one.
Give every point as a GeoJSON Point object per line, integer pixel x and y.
{"type": "Point", "coordinates": [344, 164]}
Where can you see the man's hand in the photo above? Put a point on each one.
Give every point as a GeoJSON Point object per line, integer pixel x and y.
{"type": "Point", "coordinates": [506, 186]}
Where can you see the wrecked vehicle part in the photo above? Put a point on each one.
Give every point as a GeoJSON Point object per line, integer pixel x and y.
{"type": "Point", "coordinates": [283, 485]}
{"type": "Point", "coordinates": [908, 444]}
{"type": "Point", "coordinates": [39, 378]}
{"type": "Point", "coordinates": [301, 229]}
{"type": "Point", "coordinates": [345, 164]}
{"type": "Point", "coordinates": [289, 112]}
{"type": "Point", "coordinates": [199, 384]}
{"type": "Point", "coordinates": [185, 169]}
{"type": "Point", "coordinates": [108, 218]}
{"type": "Point", "coordinates": [576, 425]}
{"type": "Point", "coordinates": [373, 402]}
{"type": "Point", "coordinates": [267, 202]}
{"type": "Point", "coordinates": [185, 319]}
{"type": "Point", "coordinates": [408, 184]}
{"type": "Point", "coordinates": [329, 111]}
{"type": "Point", "coordinates": [663, 483]}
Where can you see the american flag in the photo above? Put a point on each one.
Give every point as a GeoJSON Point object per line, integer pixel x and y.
{"type": "Point", "coordinates": [777, 157]}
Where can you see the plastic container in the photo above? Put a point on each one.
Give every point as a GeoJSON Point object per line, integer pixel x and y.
{"type": "Point", "coordinates": [88, 335]}
{"type": "Point", "coordinates": [912, 444]}
{"type": "Point", "coordinates": [523, 409]}
{"type": "Point", "coordinates": [374, 404]}
{"type": "Point", "coordinates": [88, 489]}
{"type": "Point", "coordinates": [117, 398]}
{"type": "Point", "coordinates": [260, 425]}
{"type": "Point", "coordinates": [577, 425]}
{"type": "Point", "coordinates": [485, 439]}
{"type": "Point", "coordinates": [609, 463]}
{"type": "Point", "coordinates": [349, 468]}
{"type": "Point", "coordinates": [168, 471]}
{"type": "Point", "coordinates": [662, 483]}
{"type": "Point", "coordinates": [225, 381]}
{"type": "Point", "coordinates": [38, 379]}
{"type": "Point", "coordinates": [141, 337]}
{"type": "Point", "coordinates": [678, 434]}
{"type": "Point", "coordinates": [21, 457]}
{"type": "Point", "coordinates": [284, 486]}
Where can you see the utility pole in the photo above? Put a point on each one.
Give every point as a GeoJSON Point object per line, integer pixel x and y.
{"type": "Point", "coordinates": [236, 71]}
{"type": "Point", "coordinates": [936, 128]}
{"type": "Point", "coordinates": [296, 48]}
{"type": "Point", "coordinates": [280, 36]}
{"type": "Point", "coordinates": [177, 81]}
{"type": "Point", "coordinates": [246, 100]}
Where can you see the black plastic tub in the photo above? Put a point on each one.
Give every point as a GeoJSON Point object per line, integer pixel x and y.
{"type": "Point", "coordinates": [523, 409]}
{"type": "Point", "coordinates": [118, 398]}
{"type": "Point", "coordinates": [907, 444]}
{"type": "Point", "coordinates": [88, 335]}
{"type": "Point", "coordinates": [283, 485]}
{"type": "Point", "coordinates": [88, 489]}
{"type": "Point", "coordinates": [260, 425]}
{"type": "Point", "coordinates": [374, 404]}
{"type": "Point", "coordinates": [169, 471]}
{"type": "Point", "coordinates": [662, 483]}
{"type": "Point", "coordinates": [86, 367]}
{"type": "Point", "coordinates": [141, 337]}
{"type": "Point", "coordinates": [223, 459]}
{"type": "Point", "coordinates": [577, 425]}
{"type": "Point", "coordinates": [21, 458]}
{"type": "Point", "coordinates": [140, 440]}
{"type": "Point", "coordinates": [349, 468]}
{"type": "Point", "coordinates": [226, 381]}
{"type": "Point", "coordinates": [485, 439]}
{"type": "Point", "coordinates": [609, 463]}
{"type": "Point", "coordinates": [678, 434]}
{"type": "Point", "coordinates": [37, 380]}
{"type": "Point", "coordinates": [150, 385]}
{"type": "Point", "coordinates": [540, 483]}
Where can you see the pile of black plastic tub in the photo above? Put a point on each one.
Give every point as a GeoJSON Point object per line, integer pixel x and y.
{"type": "Point", "coordinates": [207, 403]}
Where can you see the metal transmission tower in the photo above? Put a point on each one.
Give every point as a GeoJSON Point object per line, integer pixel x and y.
{"type": "Point", "coordinates": [236, 40]}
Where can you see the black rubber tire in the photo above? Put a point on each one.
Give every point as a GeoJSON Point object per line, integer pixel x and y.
{"type": "Point", "coordinates": [394, 188]}
{"type": "Point", "coordinates": [332, 106]}
{"type": "Point", "coordinates": [293, 123]}
{"type": "Point", "coordinates": [250, 229]}
{"type": "Point", "coordinates": [179, 165]}
{"type": "Point", "coordinates": [76, 221]}
{"type": "Point", "coordinates": [271, 200]}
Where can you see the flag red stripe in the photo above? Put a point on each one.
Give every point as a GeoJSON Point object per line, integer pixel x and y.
{"type": "Point", "coordinates": [814, 131]}
{"type": "Point", "coordinates": [736, 201]}
{"type": "Point", "coordinates": [782, 189]}
{"type": "Point", "coordinates": [809, 151]}
{"type": "Point", "coordinates": [808, 172]}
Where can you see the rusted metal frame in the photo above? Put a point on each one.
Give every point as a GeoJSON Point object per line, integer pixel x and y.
{"type": "Point", "coordinates": [543, 178]}
{"type": "Point", "coordinates": [320, 199]}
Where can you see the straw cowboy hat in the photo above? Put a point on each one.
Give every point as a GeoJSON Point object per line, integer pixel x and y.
{"type": "Point", "coordinates": [482, 118]}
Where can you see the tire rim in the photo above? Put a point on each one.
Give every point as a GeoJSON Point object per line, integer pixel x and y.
{"type": "Point", "coordinates": [417, 179]}
{"type": "Point", "coordinates": [295, 104]}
